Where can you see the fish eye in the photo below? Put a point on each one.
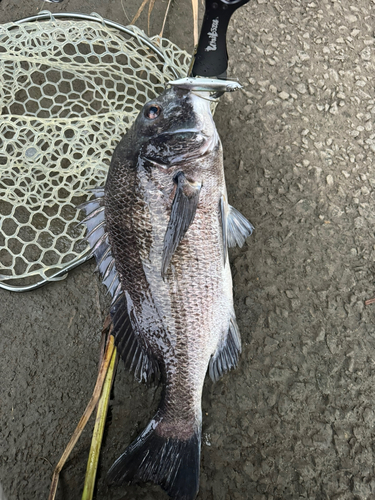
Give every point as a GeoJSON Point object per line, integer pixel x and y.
{"type": "Point", "coordinates": [153, 111]}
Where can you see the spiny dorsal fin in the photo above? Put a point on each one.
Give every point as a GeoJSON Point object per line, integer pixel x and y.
{"type": "Point", "coordinates": [226, 356]}
{"type": "Point", "coordinates": [182, 215]}
{"type": "Point", "coordinates": [98, 239]}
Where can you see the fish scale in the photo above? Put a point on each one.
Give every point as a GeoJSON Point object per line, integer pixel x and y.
{"type": "Point", "coordinates": [167, 225]}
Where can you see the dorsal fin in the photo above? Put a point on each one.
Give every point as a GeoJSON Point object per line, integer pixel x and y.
{"type": "Point", "coordinates": [98, 239]}
{"type": "Point", "coordinates": [129, 345]}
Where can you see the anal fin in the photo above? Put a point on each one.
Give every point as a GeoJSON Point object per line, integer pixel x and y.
{"type": "Point", "coordinates": [226, 356]}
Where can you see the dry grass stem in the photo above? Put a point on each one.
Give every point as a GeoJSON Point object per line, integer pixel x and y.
{"type": "Point", "coordinates": [97, 436]}
{"type": "Point", "coordinates": [194, 4]}
{"type": "Point", "coordinates": [150, 7]}
{"type": "Point", "coordinates": [85, 417]}
{"type": "Point", "coordinates": [139, 12]}
{"type": "Point", "coordinates": [165, 18]}
{"type": "Point", "coordinates": [123, 8]}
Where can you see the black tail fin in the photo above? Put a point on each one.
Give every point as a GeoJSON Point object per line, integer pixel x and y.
{"type": "Point", "coordinates": [169, 462]}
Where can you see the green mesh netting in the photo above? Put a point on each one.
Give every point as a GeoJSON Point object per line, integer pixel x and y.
{"type": "Point", "coordinates": [69, 89]}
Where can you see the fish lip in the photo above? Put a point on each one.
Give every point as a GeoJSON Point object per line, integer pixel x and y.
{"type": "Point", "coordinates": [205, 149]}
{"type": "Point", "coordinates": [184, 130]}
{"type": "Point", "coordinates": [179, 158]}
{"type": "Point", "coordinates": [188, 131]}
{"type": "Point", "coordinates": [209, 143]}
{"type": "Point", "coordinates": [178, 131]}
{"type": "Point", "coordinates": [156, 163]}
{"type": "Point", "coordinates": [181, 131]}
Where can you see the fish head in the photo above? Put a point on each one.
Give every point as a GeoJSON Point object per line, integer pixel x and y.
{"type": "Point", "coordinates": [174, 127]}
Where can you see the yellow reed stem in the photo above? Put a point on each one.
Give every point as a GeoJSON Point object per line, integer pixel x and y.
{"type": "Point", "coordinates": [97, 436]}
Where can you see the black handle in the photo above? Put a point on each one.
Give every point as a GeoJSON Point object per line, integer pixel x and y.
{"type": "Point", "coordinates": [211, 57]}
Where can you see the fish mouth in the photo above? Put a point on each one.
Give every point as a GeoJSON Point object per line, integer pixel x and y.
{"type": "Point", "coordinates": [155, 163]}
{"type": "Point", "coordinates": [166, 149]}
{"type": "Point", "coordinates": [177, 134]}
{"type": "Point", "coordinates": [184, 130]}
{"type": "Point", "coordinates": [206, 147]}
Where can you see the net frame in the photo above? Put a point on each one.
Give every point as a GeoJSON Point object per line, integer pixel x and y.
{"type": "Point", "coordinates": [29, 157]}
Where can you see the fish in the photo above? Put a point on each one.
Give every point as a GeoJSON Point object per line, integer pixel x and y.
{"type": "Point", "coordinates": [160, 230]}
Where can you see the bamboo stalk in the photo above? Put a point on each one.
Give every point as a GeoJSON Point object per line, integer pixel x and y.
{"type": "Point", "coordinates": [97, 436]}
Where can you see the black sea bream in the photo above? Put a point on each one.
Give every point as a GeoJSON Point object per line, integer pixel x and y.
{"type": "Point", "coordinates": [160, 231]}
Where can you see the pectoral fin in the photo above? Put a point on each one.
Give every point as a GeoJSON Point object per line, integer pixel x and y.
{"type": "Point", "coordinates": [182, 215]}
{"type": "Point", "coordinates": [235, 227]}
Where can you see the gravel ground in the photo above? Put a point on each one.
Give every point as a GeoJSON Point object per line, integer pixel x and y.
{"type": "Point", "coordinates": [296, 419]}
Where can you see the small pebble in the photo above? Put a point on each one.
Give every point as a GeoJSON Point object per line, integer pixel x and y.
{"type": "Point", "coordinates": [329, 180]}
{"type": "Point", "coordinates": [301, 88]}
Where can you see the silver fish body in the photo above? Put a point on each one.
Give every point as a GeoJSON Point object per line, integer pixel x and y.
{"type": "Point", "coordinates": [163, 227]}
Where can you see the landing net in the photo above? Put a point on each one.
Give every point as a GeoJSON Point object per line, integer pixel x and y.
{"type": "Point", "coordinates": [70, 87]}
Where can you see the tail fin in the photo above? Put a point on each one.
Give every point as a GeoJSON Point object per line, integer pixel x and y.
{"type": "Point", "coordinates": [170, 462]}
